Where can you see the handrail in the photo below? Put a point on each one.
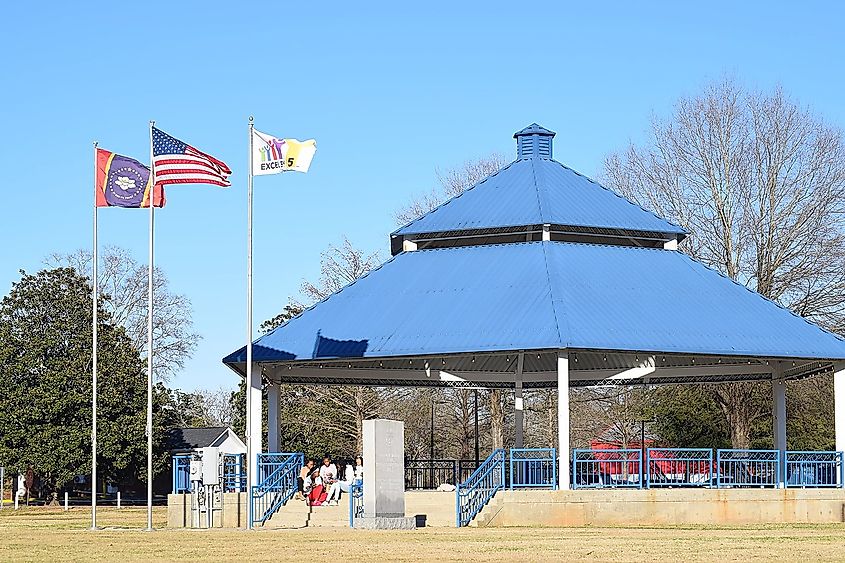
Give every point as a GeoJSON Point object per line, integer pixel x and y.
{"type": "Point", "coordinates": [473, 494]}
{"type": "Point", "coordinates": [356, 503]}
{"type": "Point", "coordinates": [277, 486]}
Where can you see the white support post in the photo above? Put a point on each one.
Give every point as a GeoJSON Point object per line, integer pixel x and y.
{"type": "Point", "coordinates": [518, 406]}
{"type": "Point", "coordinates": [409, 246]}
{"type": "Point", "coordinates": [253, 422]}
{"type": "Point", "coordinates": [839, 405]}
{"type": "Point", "coordinates": [273, 417]}
{"type": "Point", "coordinates": [66, 503]}
{"type": "Point", "coordinates": [563, 419]}
{"type": "Point", "coordinates": [118, 500]}
{"type": "Point", "coordinates": [779, 418]}
{"type": "Point", "coordinates": [547, 232]}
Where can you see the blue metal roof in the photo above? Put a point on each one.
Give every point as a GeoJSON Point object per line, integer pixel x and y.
{"type": "Point", "coordinates": [544, 295]}
{"type": "Point", "coordinates": [538, 191]}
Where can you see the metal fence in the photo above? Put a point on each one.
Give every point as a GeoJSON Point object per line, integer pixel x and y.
{"type": "Point", "coordinates": [466, 468]}
{"type": "Point", "coordinates": [181, 472]}
{"type": "Point", "coordinates": [234, 473]}
{"type": "Point", "coordinates": [814, 469]}
{"type": "Point", "coordinates": [603, 469]}
{"type": "Point", "coordinates": [421, 474]}
{"type": "Point", "coordinates": [356, 503]}
{"type": "Point", "coordinates": [533, 468]}
{"type": "Point", "coordinates": [472, 495]}
{"type": "Point", "coordinates": [679, 467]}
{"type": "Point", "coordinates": [748, 468]}
{"type": "Point", "coordinates": [430, 473]}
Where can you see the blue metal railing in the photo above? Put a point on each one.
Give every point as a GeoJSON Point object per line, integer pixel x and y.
{"type": "Point", "coordinates": [277, 473]}
{"type": "Point", "coordinates": [533, 467]}
{"type": "Point", "coordinates": [234, 473]}
{"type": "Point", "coordinates": [603, 469]}
{"type": "Point", "coordinates": [679, 467]}
{"type": "Point", "coordinates": [181, 474]}
{"type": "Point", "coordinates": [473, 494]}
{"type": "Point", "coordinates": [814, 469]}
{"type": "Point", "coordinates": [696, 467]}
{"type": "Point", "coordinates": [356, 503]}
{"type": "Point", "coordinates": [748, 468]}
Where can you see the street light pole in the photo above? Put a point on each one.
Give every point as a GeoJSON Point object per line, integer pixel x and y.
{"type": "Point", "coordinates": [477, 460]}
{"type": "Point", "coordinates": [431, 436]}
{"type": "Point", "coordinates": [431, 444]}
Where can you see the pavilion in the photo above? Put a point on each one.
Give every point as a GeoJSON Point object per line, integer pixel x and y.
{"type": "Point", "coordinates": [538, 276]}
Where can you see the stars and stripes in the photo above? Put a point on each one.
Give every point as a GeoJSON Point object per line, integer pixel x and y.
{"type": "Point", "coordinates": [179, 163]}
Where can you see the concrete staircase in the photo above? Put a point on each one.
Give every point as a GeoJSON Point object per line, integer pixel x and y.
{"type": "Point", "coordinates": [297, 514]}
{"type": "Point", "coordinates": [436, 509]}
{"type": "Point", "coordinates": [488, 512]}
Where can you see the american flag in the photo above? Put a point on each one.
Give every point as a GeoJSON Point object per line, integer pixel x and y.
{"type": "Point", "coordinates": [179, 163]}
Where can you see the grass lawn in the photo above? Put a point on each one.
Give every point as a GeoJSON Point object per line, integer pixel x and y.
{"type": "Point", "coordinates": [39, 534]}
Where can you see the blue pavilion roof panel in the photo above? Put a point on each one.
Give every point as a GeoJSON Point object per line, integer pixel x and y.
{"type": "Point", "coordinates": [539, 296]}
{"type": "Point", "coordinates": [535, 191]}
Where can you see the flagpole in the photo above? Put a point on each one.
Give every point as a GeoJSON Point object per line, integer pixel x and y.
{"type": "Point", "coordinates": [150, 342]}
{"type": "Point", "coordinates": [94, 297]}
{"type": "Point", "coordinates": [251, 465]}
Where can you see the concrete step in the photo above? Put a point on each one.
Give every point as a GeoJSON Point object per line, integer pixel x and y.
{"type": "Point", "coordinates": [297, 514]}
{"type": "Point", "coordinates": [487, 513]}
{"type": "Point", "coordinates": [438, 508]}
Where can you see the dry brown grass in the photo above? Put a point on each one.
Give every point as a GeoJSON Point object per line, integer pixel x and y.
{"type": "Point", "coordinates": [53, 535]}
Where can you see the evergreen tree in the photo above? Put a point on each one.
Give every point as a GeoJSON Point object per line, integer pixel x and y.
{"type": "Point", "coordinates": [45, 369]}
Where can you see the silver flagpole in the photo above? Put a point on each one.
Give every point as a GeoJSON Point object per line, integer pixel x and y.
{"type": "Point", "coordinates": [94, 297]}
{"type": "Point", "coordinates": [150, 342]}
{"type": "Point", "coordinates": [251, 465]}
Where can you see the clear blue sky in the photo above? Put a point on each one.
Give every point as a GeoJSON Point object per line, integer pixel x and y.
{"type": "Point", "coordinates": [389, 92]}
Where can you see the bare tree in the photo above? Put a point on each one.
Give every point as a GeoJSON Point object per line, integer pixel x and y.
{"type": "Point", "coordinates": [215, 405]}
{"type": "Point", "coordinates": [760, 184]}
{"type": "Point", "coordinates": [453, 182]}
{"type": "Point", "coordinates": [497, 417]}
{"type": "Point", "coordinates": [339, 266]}
{"type": "Point", "coordinates": [123, 286]}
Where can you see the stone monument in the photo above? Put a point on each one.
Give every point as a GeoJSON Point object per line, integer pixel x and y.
{"type": "Point", "coordinates": [384, 476]}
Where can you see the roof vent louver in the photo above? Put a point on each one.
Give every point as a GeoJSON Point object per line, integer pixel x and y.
{"type": "Point", "coordinates": [534, 142]}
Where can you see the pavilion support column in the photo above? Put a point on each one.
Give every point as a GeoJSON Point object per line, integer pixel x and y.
{"type": "Point", "coordinates": [518, 405]}
{"type": "Point", "coordinates": [563, 419]}
{"type": "Point", "coordinates": [779, 418]}
{"type": "Point", "coordinates": [839, 405]}
{"type": "Point", "coordinates": [273, 417]}
{"type": "Point", "coordinates": [253, 421]}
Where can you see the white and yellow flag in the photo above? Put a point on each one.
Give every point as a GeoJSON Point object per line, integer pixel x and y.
{"type": "Point", "coordinates": [271, 155]}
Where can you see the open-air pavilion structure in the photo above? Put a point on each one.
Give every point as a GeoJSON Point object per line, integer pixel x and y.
{"type": "Point", "coordinates": [536, 277]}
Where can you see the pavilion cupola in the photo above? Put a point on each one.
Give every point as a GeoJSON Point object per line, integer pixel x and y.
{"type": "Point", "coordinates": [534, 142]}
{"type": "Point", "coordinates": [536, 198]}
